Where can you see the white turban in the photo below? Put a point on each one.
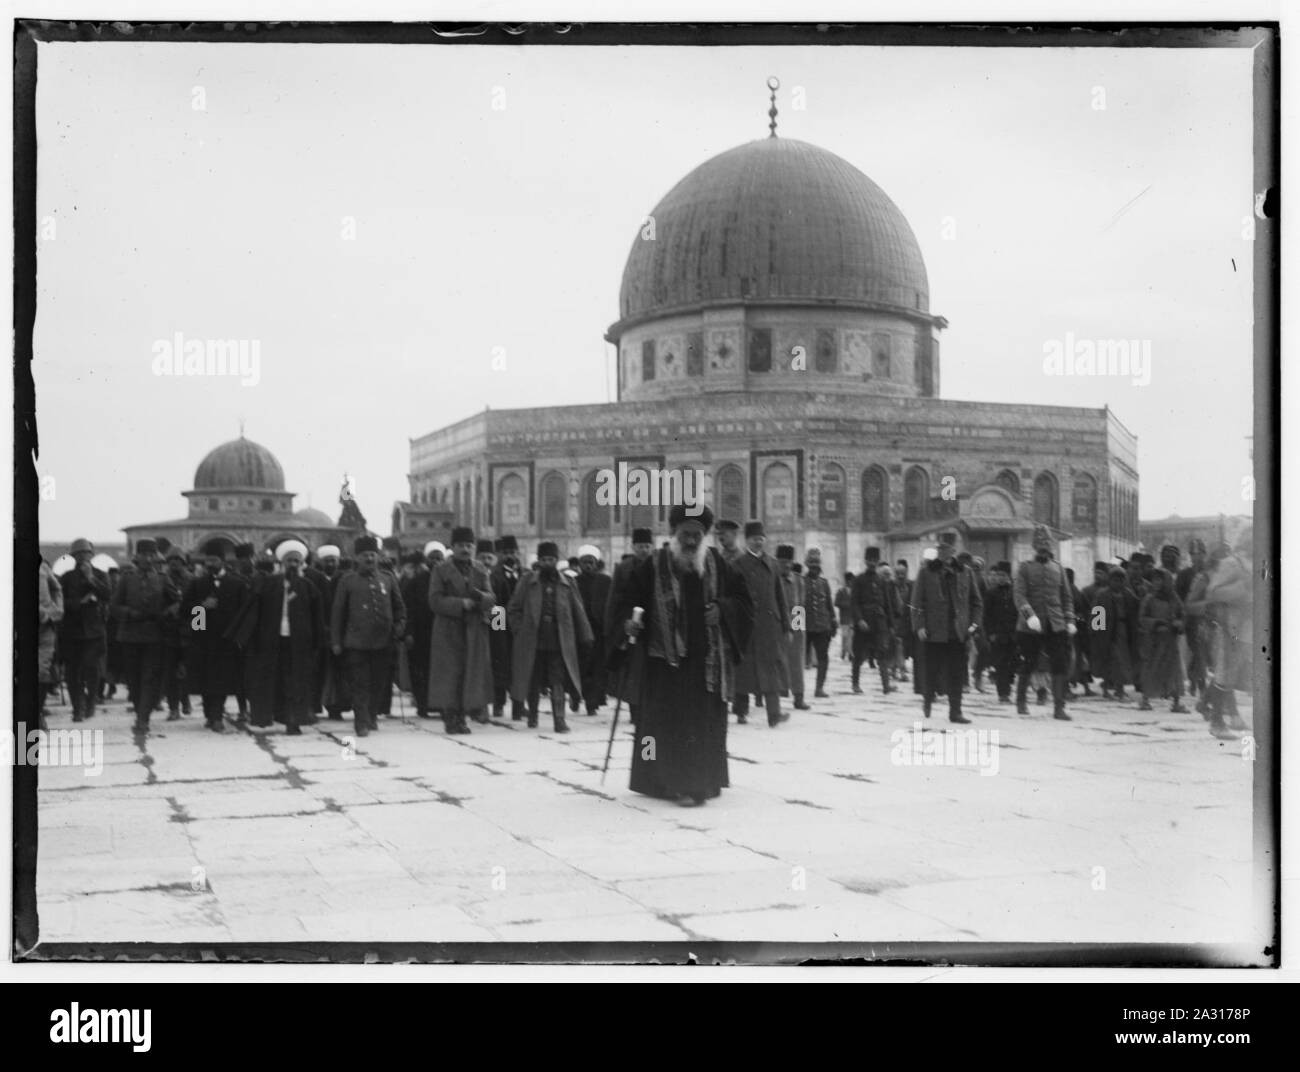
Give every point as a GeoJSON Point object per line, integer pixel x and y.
{"type": "Point", "coordinates": [434, 545]}
{"type": "Point", "coordinates": [930, 554]}
{"type": "Point", "coordinates": [328, 551]}
{"type": "Point", "coordinates": [589, 551]}
{"type": "Point", "coordinates": [288, 548]}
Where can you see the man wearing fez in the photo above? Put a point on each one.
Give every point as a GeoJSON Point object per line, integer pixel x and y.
{"type": "Point", "coordinates": [414, 587]}
{"type": "Point", "coordinates": [1000, 620]}
{"type": "Point", "coordinates": [696, 623]}
{"type": "Point", "coordinates": [626, 663]}
{"type": "Point", "coordinates": [1046, 608]}
{"type": "Point", "coordinates": [215, 664]}
{"type": "Point", "coordinates": [460, 656]}
{"type": "Point", "coordinates": [283, 628]}
{"type": "Point", "coordinates": [176, 637]}
{"type": "Point", "coordinates": [727, 533]}
{"type": "Point", "coordinates": [368, 615]}
{"type": "Point", "coordinates": [552, 637]}
{"type": "Point", "coordinates": [876, 610]}
{"type": "Point", "coordinates": [820, 610]}
{"type": "Point", "coordinates": [504, 579]}
{"type": "Point", "coordinates": [594, 586]}
{"type": "Point", "coordinates": [945, 611]}
{"type": "Point", "coordinates": [85, 601]}
{"type": "Point", "coordinates": [763, 670]}
{"type": "Point", "coordinates": [485, 554]}
{"type": "Point", "coordinates": [792, 591]}
{"type": "Point", "coordinates": [140, 604]}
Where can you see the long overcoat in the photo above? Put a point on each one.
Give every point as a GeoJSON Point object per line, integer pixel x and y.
{"type": "Point", "coordinates": [764, 666]}
{"type": "Point", "coordinates": [257, 630]}
{"type": "Point", "coordinates": [1112, 634]}
{"type": "Point", "coordinates": [215, 665]}
{"type": "Point", "coordinates": [525, 616]}
{"type": "Point", "coordinates": [794, 589]}
{"type": "Point", "coordinates": [460, 654]}
{"type": "Point", "coordinates": [1160, 619]}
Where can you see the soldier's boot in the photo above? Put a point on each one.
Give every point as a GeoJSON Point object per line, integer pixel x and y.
{"type": "Point", "coordinates": [517, 711]}
{"type": "Point", "coordinates": [1022, 692]}
{"type": "Point", "coordinates": [557, 712]}
{"type": "Point", "coordinates": [885, 686]}
{"type": "Point", "coordinates": [1060, 686]}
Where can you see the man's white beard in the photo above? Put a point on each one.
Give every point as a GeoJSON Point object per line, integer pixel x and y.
{"type": "Point", "coordinates": [686, 560]}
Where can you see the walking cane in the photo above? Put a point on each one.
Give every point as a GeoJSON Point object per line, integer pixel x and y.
{"type": "Point", "coordinates": [637, 612]}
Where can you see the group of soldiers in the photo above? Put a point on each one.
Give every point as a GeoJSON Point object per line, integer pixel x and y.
{"type": "Point", "coordinates": [469, 630]}
{"type": "Point", "coordinates": [1164, 628]}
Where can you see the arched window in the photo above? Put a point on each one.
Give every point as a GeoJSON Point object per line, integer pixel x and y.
{"type": "Point", "coordinates": [1009, 481]}
{"type": "Point", "coordinates": [875, 499]}
{"type": "Point", "coordinates": [555, 501]}
{"type": "Point", "coordinates": [731, 494]}
{"type": "Point", "coordinates": [512, 504]}
{"type": "Point", "coordinates": [778, 496]}
{"type": "Point", "coordinates": [595, 516]}
{"type": "Point", "coordinates": [916, 494]}
{"type": "Point", "coordinates": [1084, 507]}
{"type": "Point", "coordinates": [1046, 501]}
{"type": "Point", "coordinates": [830, 496]}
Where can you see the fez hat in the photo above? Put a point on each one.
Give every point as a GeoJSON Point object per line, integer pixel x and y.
{"type": "Point", "coordinates": [1104, 567]}
{"type": "Point", "coordinates": [1170, 549]}
{"type": "Point", "coordinates": [483, 545]}
{"type": "Point", "coordinates": [642, 536]}
{"type": "Point", "coordinates": [727, 524]}
{"type": "Point", "coordinates": [703, 517]}
{"type": "Point", "coordinates": [785, 553]}
{"type": "Point", "coordinates": [164, 544]}
{"type": "Point", "coordinates": [813, 554]}
{"type": "Point", "coordinates": [462, 534]}
{"type": "Point", "coordinates": [508, 544]}
{"type": "Point", "coordinates": [548, 549]}
{"type": "Point", "coordinates": [362, 544]}
{"type": "Point", "coordinates": [413, 558]}
{"type": "Point", "coordinates": [328, 551]}
{"type": "Point", "coordinates": [288, 547]}
{"type": "Point", "coordinates": [244, 550]}
{"type": "Point", "coordinates": [754, 528]}
{"type": "Point", "coordinates": [81, 544]}
{"type": "Point", "coordinates": [146, 546]}
{"type": "Point", "coordinates": [1002, 567]}
{"type": "Point", "coordinates": [873, 554]}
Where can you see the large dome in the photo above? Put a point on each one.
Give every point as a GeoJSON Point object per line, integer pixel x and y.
{"type": "Point", "coordinates": [775, 220]}
{"type": "Point", "coordinates": [241, 463]}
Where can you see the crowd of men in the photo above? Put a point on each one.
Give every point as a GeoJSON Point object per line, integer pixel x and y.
{"type": "Point", "coordinates": [293, 635]}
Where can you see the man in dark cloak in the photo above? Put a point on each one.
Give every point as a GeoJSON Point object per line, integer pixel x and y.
{"type": "Point", "coordinates": [282, 626]}
{"type": "Point", "coordinates": [696, 623]}
{"type": "Point", "coordinates": [216, 665]}
{"type": "Point", "coordinates": [594, 587]}
{"type": "Point", "coordinates": [419, 629]}
{"type": "Point", "coordinates": [627, 662]}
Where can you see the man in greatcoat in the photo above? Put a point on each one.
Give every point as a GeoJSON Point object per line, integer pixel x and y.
{"type": "Point", "coordinates": [366, 618]}
{"type": "Point", "coordinates": [1000, 620]}
{"type": "Point", "coordinates": [504, 579]}
{"type": "Point", "coordinates": [176, 638]}
{"type": "Point", "coordinates": [552, 636]}
{"type": "Point", "coordinates": [85, 602]}
{"type": "Point", "coordinates": [419, 629]}
{"type": "Point", "coordinates": [946, 608]}
{"type": "Point", "coordinates": [141, 605]}
{"type": "Point", "coordinates": [627, 661]}
{"type": "Point", "coordinates": [819, 613]}
{"type": "Point", "coordinates": [697, 616]}
{"type": "Point", "coordinates": [460, 647]}
{"type": "Point", "coordinates": [215, 663]}
{"type": "Point", "coordinates": [283, 628]}
{"type": "Point", "coordinates": [792, 591]}
{"type": "Point", "coordinates": [335, 694]}
{"type": "Point", "coordinates": [727, 533]}
{"type": "Point", "coordinates": [763, 670]}
{"type": "Point", "coordinates": [875, 618]}
{"type": "Point", "coordinates": [1046, 607]}
{"type": "Point", "coordinates": [594, 586]}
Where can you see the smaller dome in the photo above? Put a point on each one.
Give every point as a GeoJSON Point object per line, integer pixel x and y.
{"type": "Point", "coordinates": [241, 463]}
{"type": "Point", "coordinates": [311, 516]}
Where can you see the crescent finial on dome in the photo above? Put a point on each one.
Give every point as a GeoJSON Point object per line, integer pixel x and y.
{"type": "Point", "coordinates": [773, 84]}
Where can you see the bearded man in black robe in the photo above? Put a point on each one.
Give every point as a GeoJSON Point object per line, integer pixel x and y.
{"type": "Point", "coordinates": [696, 623]}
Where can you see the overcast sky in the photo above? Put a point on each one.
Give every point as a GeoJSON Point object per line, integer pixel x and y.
{"type": "Point", "coordinates": [476, 227]}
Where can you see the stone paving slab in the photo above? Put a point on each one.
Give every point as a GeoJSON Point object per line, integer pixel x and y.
{"type": "Point", "coordinates": [509, 834]}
